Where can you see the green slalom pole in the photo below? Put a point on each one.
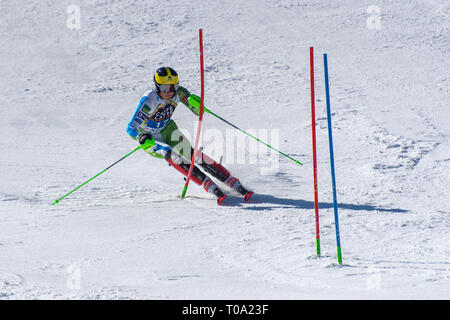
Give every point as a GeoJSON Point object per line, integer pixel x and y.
{"type": "Point", "coordinates": [58, 200]}
{"type": "Point", "coordinates": [193, 100]}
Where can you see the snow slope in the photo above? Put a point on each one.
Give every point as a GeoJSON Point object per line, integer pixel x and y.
{"type": "Point", "coordinates": [66, 96]}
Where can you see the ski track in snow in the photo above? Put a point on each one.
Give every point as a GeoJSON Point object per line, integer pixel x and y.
{"type": "Point", "coordinates": [128, 235]}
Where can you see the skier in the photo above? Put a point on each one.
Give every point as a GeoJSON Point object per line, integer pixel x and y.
{"type": "Point", "coordinates": [160, 137]}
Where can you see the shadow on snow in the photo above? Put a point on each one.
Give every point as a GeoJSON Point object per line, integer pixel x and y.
{"type": "Point", "coordinates": [277, 203]}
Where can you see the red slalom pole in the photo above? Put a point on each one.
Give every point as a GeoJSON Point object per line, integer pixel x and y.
{"type": "Point", "coordinates": [200, 119]}
{"type": "Point", "coordinates": [313, 127]}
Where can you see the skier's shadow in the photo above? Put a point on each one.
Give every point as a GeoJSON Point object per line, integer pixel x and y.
{"type": "Point", "coordinates": [258, 201]}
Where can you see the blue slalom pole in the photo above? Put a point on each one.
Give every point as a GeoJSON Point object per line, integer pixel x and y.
{"type": "Point", "coordinates": [333, 177]}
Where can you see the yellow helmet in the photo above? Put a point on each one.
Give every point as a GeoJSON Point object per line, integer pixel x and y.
{"type": "Point", "coordinates": [166, 75]}
{"type": "Point", "coordinates": [166, 80]}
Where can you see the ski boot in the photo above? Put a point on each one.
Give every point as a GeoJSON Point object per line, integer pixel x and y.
{"type": "Point", "coordinates": [220, 196]}
{"type": "Point", "coordinates": [197, 176]}
{"type": "Point", "coordinates": [236, 185]}
{"type": "Point", "coordinates": [221, 173]}
{"type": "Point", "coordinates": [211, 187]}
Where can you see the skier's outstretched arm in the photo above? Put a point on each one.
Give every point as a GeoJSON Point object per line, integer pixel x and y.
{"type": "Point", "coordinates": [191, 101]}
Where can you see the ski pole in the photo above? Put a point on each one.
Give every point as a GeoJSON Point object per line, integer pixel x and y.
{"type": "Point", "coordinates": [248, 134]}
{"type": "Point", "coordinates": [84, 183]}
{"type": "Point", "coordinates": [193, 100]}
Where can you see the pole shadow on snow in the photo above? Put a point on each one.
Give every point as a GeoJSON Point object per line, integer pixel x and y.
{"type": "Point", "coordinates": [258, 199]}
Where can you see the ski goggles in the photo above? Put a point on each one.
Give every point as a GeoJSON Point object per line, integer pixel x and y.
{"type": "Point", "coordinates": [166, 88]}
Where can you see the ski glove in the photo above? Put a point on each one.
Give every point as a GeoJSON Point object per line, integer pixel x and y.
{"type": "Point", "coordinates": [146, 140]}
{"type": "Point", "coordinates": [194, 102]}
